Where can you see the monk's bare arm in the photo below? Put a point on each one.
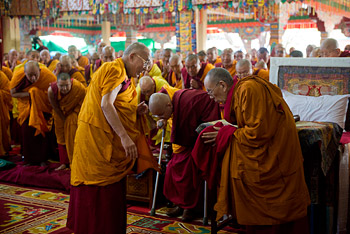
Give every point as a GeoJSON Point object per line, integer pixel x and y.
{"type": "Point", "coordinates": [16, 94]}
{"type": "Point", "coordinates": [54, 104]}
{"type": "Point", "coordinates": [112, 117]}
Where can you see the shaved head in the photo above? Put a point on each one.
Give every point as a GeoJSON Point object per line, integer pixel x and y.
{"type": "Point", "coordinates": [108, 54]}
{"type": "Point", "coordinates": [63, 76]}
{"type": "Point", "coordinates": [64, 83]}
{"type": "Point", "coordinates": [66, 63]}
{"type": "Point", "coordinates": [219, 74]}
{"type": "Point", "coordinates": [218, 83]}
{"type": "Point", "coordinates": [175, 59]}
{"type": "Point", "coordinates": [244, 68]}
{"type": "Point", "coordinates": [73, 51]}
{"type": "Point", "coordinates": [160, 105]}
{"type": "Point", "coordinates": [137, 59]}
{"type": "Point", "coordinates": [330, 48]}
{"type": "Point", "coordinates": [45, 56]}
{"type": "Point", "coordinates": [32, 71]}
{"type": "Point", "coordinates": [243, 63]}
{"type": "Point", "coordinates": [147, 86]}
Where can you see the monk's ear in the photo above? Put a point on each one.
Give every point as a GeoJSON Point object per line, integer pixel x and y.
{"type": "Point", "coordinates": [224, 85]}
{"type": "Point", "coordinates": [338, 52]}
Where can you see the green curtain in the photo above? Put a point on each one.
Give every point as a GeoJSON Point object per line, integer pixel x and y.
{"type": "Point", "coordinates": [120, 45]}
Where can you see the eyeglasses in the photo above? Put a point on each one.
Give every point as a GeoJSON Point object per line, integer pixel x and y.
{"type": "Point", "coordinates": [243, 74]}
{"type": "Point", "coordinates": [146, 63]}
{"type": "Point", "coordinates": [210, 92]}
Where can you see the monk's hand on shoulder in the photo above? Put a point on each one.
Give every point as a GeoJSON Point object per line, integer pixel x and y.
{"type": "Point", "coordinates": [129, 147]}
{"type": "Point", "coordinates": [194, 84]}
{"type": "Point", "coordinates": [210, 137]}
{"type": "Point", "coordinates": [142, 108]}
{"type": "Point", "coordinates": [161, 124]}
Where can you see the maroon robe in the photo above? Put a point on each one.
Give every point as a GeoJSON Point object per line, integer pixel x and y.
{"type": "Point", "coordinates": [182, 184]}
{"type": "Point", "coordinates": [187, 78]}
{"type": "Point", "coordinates": [98, 64]}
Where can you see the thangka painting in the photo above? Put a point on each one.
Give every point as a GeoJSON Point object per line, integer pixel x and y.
{"type": "Point", "coordinates": [74, 5]}
{"type": "Point", "coordinates": [312, 76]}
{"type": "Point", "coordinates": [197, 2]}
{"type": "Point", "coordinates": [142, 3]}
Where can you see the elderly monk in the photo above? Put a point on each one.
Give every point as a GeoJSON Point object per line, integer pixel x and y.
{"type": "Point", "coordinates": [316, 53]}
{"type": "Point", "coordinates": [195, 72]}
{"type": "Point", "coordinates": [188, 109]}
{"type": "Point", "coordinates": [330, 48]}
{"type": "Point", "coordinates": [74, 53]}
{"type": "Point", "coordinates": [238, 55]}
{"type": "Point", "coordinates": [202, 56]}
{"type": "Point", "coordinates": [212, 54]}
{"type": "Point", "coordinates": [145, 88]}
{"type": "Point", "coordinates": [7, 72]}
{"type": "Point", "coordinates": [12, 61]}
{"type": "Point", "coordinates": [107, 144]}
{"type": "Point", "coordinates": [45, 58]}
{"type": "Point", "coordinates": [5, 107]}
{"type": "Point", "coordinates": [309, 49]}
{"type": "Point", "coordinates": [66, 97]}
{"type": "Point", "coordinates": [100, 47]}
{"type": "Point", "coordinates": [163, 63]}
{"type": "Point", "coordinates": [95, 63]}
{"type": "Point", "coordinates": [175, 78]}
{"type": "Point", "coordinates": [228, 61]}
{"type": "Point", "coordinates": [262, 181]}
{"type": "Point", "coordinates": [263, 54]}
{"type": "Point", "coordinates": [261, 65]}
{"type": "Point", "coordinates": [65, 66]}
{"type": "Point", "coordinates": [244, 69]}
{"type": "Point", "coordinates": [32, 55]}
{"type": "Point", "coordinates": [29, 85]}
{"type": "Point", "coordinates": [279, 51]}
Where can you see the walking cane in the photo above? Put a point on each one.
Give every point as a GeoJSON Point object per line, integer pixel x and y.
{"type": "Point", "coordinates": [153, 212]}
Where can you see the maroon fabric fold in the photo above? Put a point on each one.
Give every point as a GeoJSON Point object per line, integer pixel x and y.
{"type": "Point", "coordinates": [72, 71]}
{"type": "Point", "coordinates": [23, 84]}
{"type": "Point", "coordinates": [345, 138]}
{"type": "Point", "coordinates": [87, 73]}
{"type": "Point", "coordinates": [187, 78]}
{"type": "Point", "coordinates": [54, 89]}
{"type": "Point", "coordinates": [62, 152]}
{"type": "Point", "coordinates": [126, 83]}
{"type": "Point", "coordinates": [228, 103]}
{"type": "Point", "coordinates": [345, 53]}
{"type": "Point", "coordinates": [208, 158]}
{"type": "Point", "coordinates": [218, 65]}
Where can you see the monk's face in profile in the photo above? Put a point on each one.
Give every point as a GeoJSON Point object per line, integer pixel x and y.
{"type": "Point", "coordinates": [73, 52]}
{"type": "Point", "coordinates": [327, 52]}
{"type": "Point", "coordinates": [193, 66]}
{"type": "Point", "coordinates": [64, 86]}
{"type": "Point", "coordinates": [32, 73]}
{"type": "Point", "coordinates": [216, 91]}
{"type": "Point", "coordinates": [139, 63]}
{"type": "Point", "coordinates": [227, 59]}
{"type": "Point", "coordinates": [45, 57]}
{"type": "Point", "coordinates": [34, 56]}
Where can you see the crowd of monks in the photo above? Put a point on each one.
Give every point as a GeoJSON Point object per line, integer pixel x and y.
{"type": "Point", "coordinates": [103, 116]}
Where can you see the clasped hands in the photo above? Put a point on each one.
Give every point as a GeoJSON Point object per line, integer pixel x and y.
{"type": "Point", "coordinates": [210, 137]}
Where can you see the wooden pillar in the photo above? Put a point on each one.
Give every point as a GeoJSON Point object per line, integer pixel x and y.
{"type": "Point", "coordinates": [106, 32]}
{"type": "Point", "coordinates": [11, 36]}
{"type": "Point", "coordinates": [130, 36]}
{"type": "Point", "coordinates": [201, 28]}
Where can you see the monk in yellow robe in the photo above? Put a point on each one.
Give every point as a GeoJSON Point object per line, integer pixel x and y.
{"type": "Point", "coordinates": [74, 53]}
{"type": "Point", "coordinates": [66, 97]}
{"type": "Point", "coordinates": [228, 61]}
{"type": "Point", "coordinates": [163, 63]}
{"type": "Point", "coordinates": [45, 58]}
{"type": "Point", "coordinates": [195, 72]}
{"type": "Point", "coordinates": [31, 55]}
{"type": "Point", "coordinates": [5, 107]}
{"type": "Point", "coordinates": [12, 61]}
{"type": "Point", "coordinates": [107, 145]}
{"type": "Point", "coordinates": [65, 66]}
{"type": "Point", "coordinates": [262, 181]}
{"type": "Point", "coordinates": [212, 55]}
{"type": "Point", "coordinates": [29, 85]}
{"type": "Point", "coordinates": [330, 48]}
{"type": "Point", "coordinates": [7, 72]}
{"type": "Point", "coordinates": [175, 77]}
{"type": "Point", "coordinates": [238, 55]}
{"type": "Point", "coordinates": [244, 69]}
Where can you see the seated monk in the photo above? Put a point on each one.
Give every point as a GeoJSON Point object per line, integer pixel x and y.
{"type": "Point", "coordinates": [74, 53]}
{"type": "Point", "coordinates": [107, 144]}
{"type": "Point", "coordinates": [45, 58]}
{"type": "Point", "coordinates": [175, 78]}
{"type": "Point", "coordinates": [29, 85]}
{"type": "Point", "coordinates": [12, 61]}
{"type": "Point", "coordinates": [7, 72]}
{"type": "Point", "coordinates": [163, 63]}
{"type": "Point", "coordinates": [228, 61]}
{"type": "Point", "coordinates": [195, 72]}
{"type": "Point", "coordinates": [244, 69]}
{"type": "Point", "coordinates": [146, 87]}
{"type": "Point", "coordinates": [188, 108]}
{"type": "Point", "coordinates": [330, 48]}
{"type": "Point", "coordinates": [65, 66]}
{"type": "Point", "coordinates": [66, 97]}
{"type": "Point", "coordinates": [212, 55]}
{"type": "Point", "coordinates": [5, 107]}
{"type": "Point", "coordinates": [92, 67]}
{"type": "Point", "coordinates": [262, 182]}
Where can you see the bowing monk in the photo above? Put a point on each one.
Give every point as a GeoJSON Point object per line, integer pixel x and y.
{"type": "Point", "coordinates": [175, 78]}
{"type": "Point", "coordinates": [74, 53]}
{"type": "Point", "coordinates": [163, 63]}
{"type": "Point", "coordinates": [107, 145]}
{"type": "Point", "coordinates": [212, 55]}
{"type": "Point", "coordinates": [262, 181]}
{"type": "Point", "coordinates": [95, 63]}
{"type": "Point", "coordinates": [45, 58]}
{"type": "Point", "coordinates": [66, 97]}
{"type": "Point", "coordinates": [244, 69]}
{"type": "Point", "coordinates": [228, 61]}
{"type": "Point", "coordinates": [188, 108]}
{"type": "Point", "coordinates": [29, 85]}
{"type": "Point", "coordinates": [7, 72]}
{"type": "Point", "coordinates": [330, 48]}
{"type": "Point", "coordinates": [195, 72]}
{"type": "Point", "coordinates": [5, 107]}
{"type": "Point", "coordinates": [12, 61]}
{"type": "Point", "coordinates": [65, 66]}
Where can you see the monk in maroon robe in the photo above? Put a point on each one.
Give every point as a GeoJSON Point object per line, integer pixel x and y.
{"type": "Point", "coordinates": [188, 109]}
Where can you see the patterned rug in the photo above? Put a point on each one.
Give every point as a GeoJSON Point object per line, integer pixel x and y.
{"type": "Point", "coordinates": [25, 210]}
